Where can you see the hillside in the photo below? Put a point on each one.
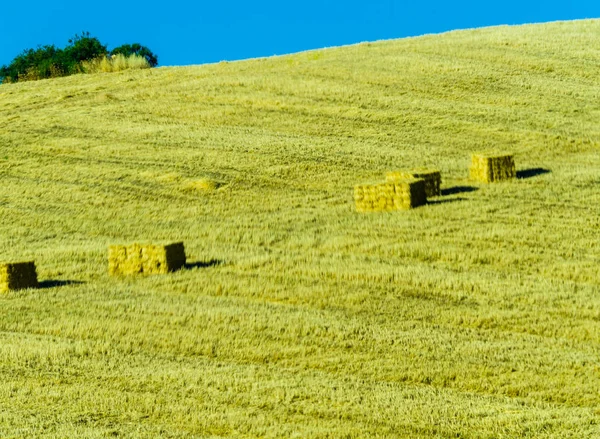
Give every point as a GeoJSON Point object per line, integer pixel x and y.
{"type": "Point", "coordinates": [476, 316]}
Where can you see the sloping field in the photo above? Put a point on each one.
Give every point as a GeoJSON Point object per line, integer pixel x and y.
{"type": "Point", "coordinates": [476, 316]}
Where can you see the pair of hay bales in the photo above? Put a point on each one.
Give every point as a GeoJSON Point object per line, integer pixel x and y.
{"type": "Point", "coordinates": [122, 260]}
{"type": "Point", "coordinates": [402, 190]}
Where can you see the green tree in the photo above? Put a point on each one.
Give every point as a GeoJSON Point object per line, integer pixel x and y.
{"type": "Point", "coordinates": [84, 47]}
{"type": "Point", "coordinates": [136, 49]}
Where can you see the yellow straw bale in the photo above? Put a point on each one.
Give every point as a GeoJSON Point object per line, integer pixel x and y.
{"type": "Point", "coordinates": [381, 197]}
{"type": "Point", "coordinates": [411, 192]}
{"type": "Point", "coordinates": [17, 276]}
{"type": "Point", "coordinates": [491, 167]}
{"type": "Point", "coordinates": [145, 259]}
{"type": "Point", "coordinates": [432, 177]}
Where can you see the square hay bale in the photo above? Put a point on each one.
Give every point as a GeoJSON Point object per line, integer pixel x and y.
{"type": "Point", "coordinates": [385, 197]}
{"type": "Point", "coordinates": [490, 167]}
{"type": "Point", "coordinates": [145, 259]}
{"type": "Point", "coordinates": [373, 197]}
{"type": "Point", "coordinates": [17, 276]}
{"type": "Point", "coordinates": [432, 177]}
{"type": "Point", "coordinates": [410, 193]}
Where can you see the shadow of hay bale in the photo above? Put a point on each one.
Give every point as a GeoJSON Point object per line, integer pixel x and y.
{"type": "Point", "coordinates": [203, 264]}
{"type": "Point", "coordinates": [532, 172]}
{"type": "Point", "coordinates": [458, 190]}
{"type": "Point", "coordinates": [58, 283]}
{"type": "Point", "coordinates": [453, 200]}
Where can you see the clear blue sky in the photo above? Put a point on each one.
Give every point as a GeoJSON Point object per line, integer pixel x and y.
{"type": "Point", "coordinates": [196, 32]}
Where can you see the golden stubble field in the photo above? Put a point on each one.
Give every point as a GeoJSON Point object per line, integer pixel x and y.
{"type": "Point", "coordinates": [476, 316]}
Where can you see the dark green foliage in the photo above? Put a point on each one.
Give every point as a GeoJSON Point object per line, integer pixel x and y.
{"type": "Point", "coordinates": [136, 49]}
{"type": "Point", "coordinates": [50, 61]}
{"type": "Point", "coordinates": [43, 62]}
{"type": "Point", "coordinates": [84, 47]}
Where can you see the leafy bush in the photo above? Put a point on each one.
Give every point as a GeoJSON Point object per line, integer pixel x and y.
{"type": "Point", "coordinates": [136, 49]}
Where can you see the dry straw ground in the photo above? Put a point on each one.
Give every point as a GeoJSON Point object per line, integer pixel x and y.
{"type": "Point", "coordinates": [476, 316]}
